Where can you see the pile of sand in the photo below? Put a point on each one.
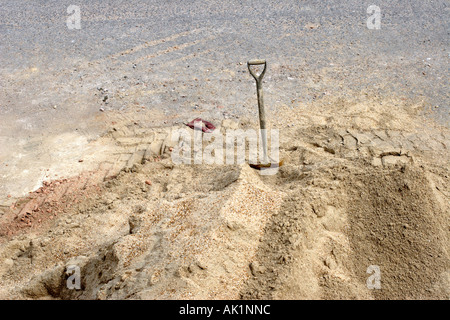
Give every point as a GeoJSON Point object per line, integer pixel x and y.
{"type": "Point", "coordinates": [362, 185]}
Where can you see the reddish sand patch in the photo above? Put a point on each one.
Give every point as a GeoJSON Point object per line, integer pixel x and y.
{"type": "Point", "coordinates": [52, 199]}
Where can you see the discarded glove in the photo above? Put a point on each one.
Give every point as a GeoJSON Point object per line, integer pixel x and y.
{"type": "Point", "coordinates": [207, 126]}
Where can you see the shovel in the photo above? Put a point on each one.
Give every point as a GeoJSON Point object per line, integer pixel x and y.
{"type": "Point", "coordinates": [266, 163]}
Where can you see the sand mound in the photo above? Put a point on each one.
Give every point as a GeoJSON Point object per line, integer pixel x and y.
{"type": "Point", "coordinates": [356, 190]}
{"type": "Point", "coordinates": [334, 225]}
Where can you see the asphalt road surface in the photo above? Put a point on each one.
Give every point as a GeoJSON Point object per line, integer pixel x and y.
{"type": "Point", "coordinates": [179, 57]}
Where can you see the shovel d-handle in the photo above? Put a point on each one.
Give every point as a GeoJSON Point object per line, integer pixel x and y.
{"type": "Point", "coordinates": [259, 92]}
{"type": "Point", "coordinates": [255, 63]}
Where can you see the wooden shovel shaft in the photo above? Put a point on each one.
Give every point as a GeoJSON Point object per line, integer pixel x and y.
{"type": "Point", "coordinates": [262, 114]}
{"type": "Point", "coordinates": [259, 93]}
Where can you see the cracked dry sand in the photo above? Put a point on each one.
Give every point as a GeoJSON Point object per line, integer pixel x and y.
{"type": "Point", "coordinates": [362, 184]}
